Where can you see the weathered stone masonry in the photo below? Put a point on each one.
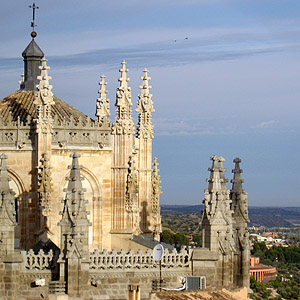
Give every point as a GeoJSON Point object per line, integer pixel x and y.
{"type": "Point", "coordinates": [56, 210]}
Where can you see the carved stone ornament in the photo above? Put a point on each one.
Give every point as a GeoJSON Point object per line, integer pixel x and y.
{"type": "Point", "coordinates": [131, 201]}
{"type": "Point", "coordinates": [103, 106]}
{"type": "Point", "coordinates": [156, 188]}
{"type": "Point", "coordinates": [45, 185]}
{"type": "Point", "coordinates": [124, 123]}
{"type": "Point", "coordinates": [44, 101]}
{"type": "Point", "coordinates": [238, 195]}
{"type": "Point", "coordinates": [145, 108]}
{"type": "Point", "coordinates": [216, 197]}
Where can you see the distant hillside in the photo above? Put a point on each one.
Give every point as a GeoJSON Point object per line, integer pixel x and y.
{"type": "Point", "coordinates": [259, 216]}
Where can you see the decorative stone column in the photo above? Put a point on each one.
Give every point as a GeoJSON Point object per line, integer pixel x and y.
{"type": "Point", "coordinates": [44, 129]}
{"type": "Point", "coordinates": [144, 141]}
{"type": "Point", "coordinates": [123, 135]}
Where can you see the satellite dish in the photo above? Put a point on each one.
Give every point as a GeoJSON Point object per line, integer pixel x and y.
{"type": "Point", "coordinates": [158, 252]}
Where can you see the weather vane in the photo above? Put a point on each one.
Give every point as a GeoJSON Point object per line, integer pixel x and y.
{"type": "Point", "coordinates": [34, 7]}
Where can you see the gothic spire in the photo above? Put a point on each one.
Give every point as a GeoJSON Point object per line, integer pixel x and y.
{"type": "Point", "coordinates": [74, 223]}
{"type": "Point", "coordinates": [237, 179]}
{"type": "Point", "coordinates": [145, 108]}
{"type": "Point", "coordinates": [102, 109]}
{"type": "Point", "coordinates": [74, 203]}
{"type": "Point", "coordinates": [217, 195]}
{"type": "Point", "coordinates": [237, 194]}
{"type": "Point", "coordinates": [44, 97]}
{"type": "Point", "coordinates": [124, 123]}
{"type": "Point", "coordinates": [217, 180]}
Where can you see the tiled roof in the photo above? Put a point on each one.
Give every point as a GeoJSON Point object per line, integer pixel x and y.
{"type": "Point", "coordinates": [20, 104]}
{"type": "Point", "coordinates": [262, 267]}
{"type": "Point", "coordinates": [196, 295]}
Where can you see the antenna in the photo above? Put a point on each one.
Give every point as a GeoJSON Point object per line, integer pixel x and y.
{"type": "Point", "coordinates": [158, 253]}
{"type": "Point", "coordinates": [34, 7]}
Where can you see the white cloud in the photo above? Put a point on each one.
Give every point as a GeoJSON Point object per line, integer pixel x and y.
{"type": "Point", "coordinates": [267, 124]}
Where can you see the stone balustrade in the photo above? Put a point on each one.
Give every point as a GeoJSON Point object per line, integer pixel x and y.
{"type": "Point", "coordinates": [104, 260]}
{"type": "Point", "coordinates": [40, 261]}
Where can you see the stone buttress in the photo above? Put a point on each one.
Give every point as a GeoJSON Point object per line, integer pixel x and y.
{"type": "Point", "coordinates": [123, 205]}
{"type": "Point", "coordinates": [144, 145]}
{"type": "Point", "coordinates": [74, 235]}
{"type": "Point", "coordinates": [44, 131]}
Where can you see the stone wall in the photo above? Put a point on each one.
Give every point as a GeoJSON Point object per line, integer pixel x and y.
{"type": "Point", "coordinates": [114, 285]}
{"type": "Point", "coordinates": [110, 273]}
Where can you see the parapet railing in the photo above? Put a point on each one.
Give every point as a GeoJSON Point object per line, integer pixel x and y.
{"type": "Point", "coordinates": [39, 261]}
{"type": "Point", "coordinates": [103, 260]}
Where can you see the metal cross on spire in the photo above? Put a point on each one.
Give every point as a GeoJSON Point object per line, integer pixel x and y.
{"type": "Point", "coordinates": [34, 7]}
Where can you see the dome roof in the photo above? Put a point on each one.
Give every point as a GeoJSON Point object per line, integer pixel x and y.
{"type": "Point", "coordinates": [33, 49]}
{"type": "Point", "coordinates": [20, 104]}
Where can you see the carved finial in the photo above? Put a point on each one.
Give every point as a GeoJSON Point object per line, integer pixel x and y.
{"type": "Point", "coordinates": [103, 109]}
{"type": "Point", "coordinates": [237, 194]}
{"type": "Point", "coordinates": [217, 195]}
{"type": "Point", "coordinates": [145, 108]}
{"type": "Point", "coordinates": [237, 179]}
{"type": "Point", "coordinates": [44, 100]}
{"type": "Point", "coordinates": [124, 123]}
{"type": "Point", "coordinates": [145, 87]}
{"type": "Point", "coordinates": [123, 79]}
{"type": "Point", "coordinates": [217, 180]}
{"type": "Point", "coordinates": [44, 88]}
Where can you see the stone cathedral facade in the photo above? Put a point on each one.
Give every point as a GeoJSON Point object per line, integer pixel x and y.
{"type": "Point", "coordinates": [39, 132]}
{"type": "Point", "coordinates": [75, 191]}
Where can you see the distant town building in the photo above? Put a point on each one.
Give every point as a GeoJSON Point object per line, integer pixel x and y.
{"type": "Point", "coordinates": [260, 272]}
{"type": "Point", "coordinates": [269, 239]}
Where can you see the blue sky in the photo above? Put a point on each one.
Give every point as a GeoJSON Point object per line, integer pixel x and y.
{"type": "Point", "coordinates": [232, 88]}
